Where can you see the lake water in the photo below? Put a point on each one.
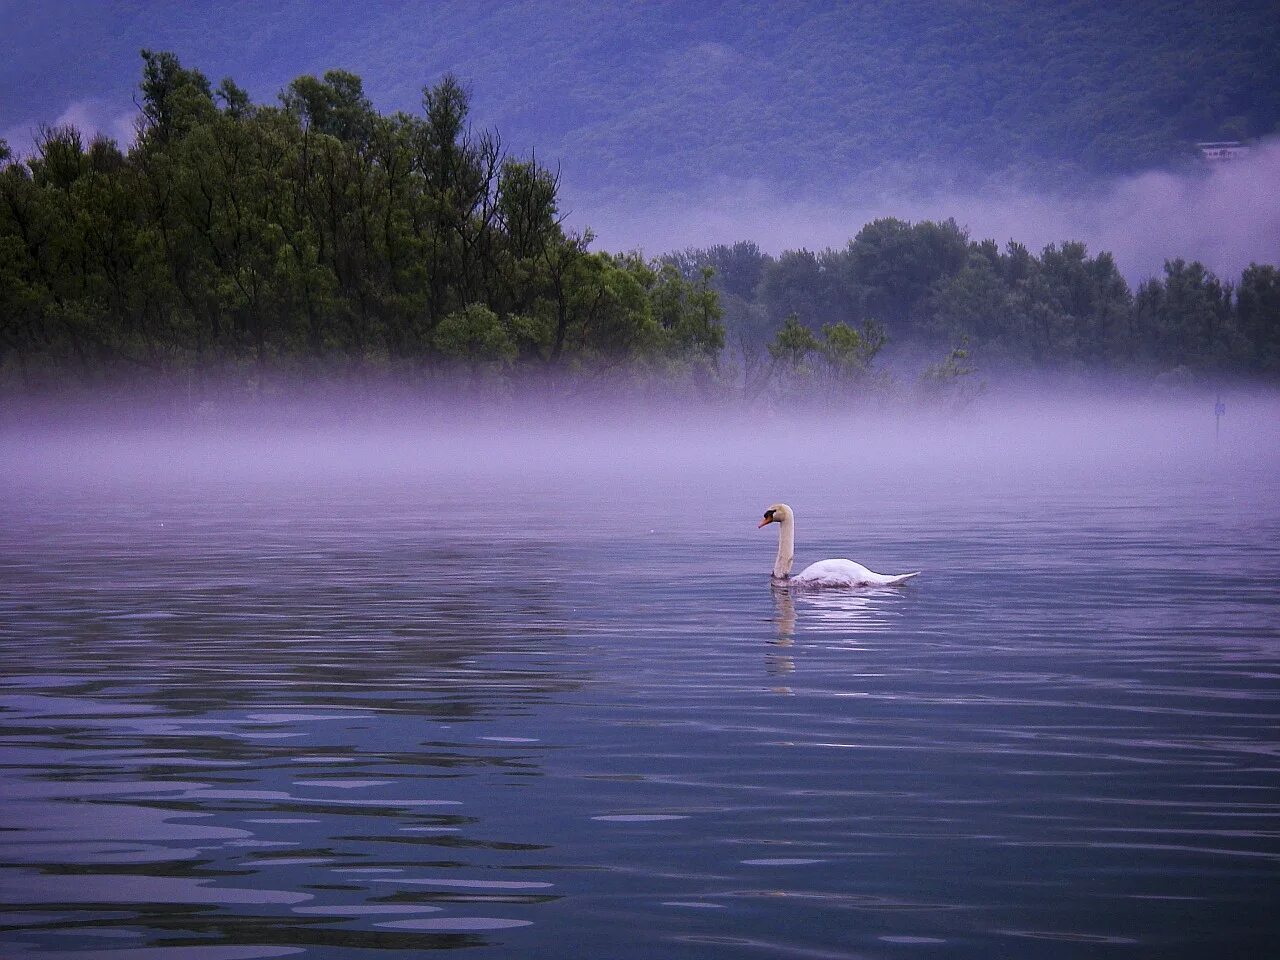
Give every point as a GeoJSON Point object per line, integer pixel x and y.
{"type": "Point", "coordinates": [389, 694]}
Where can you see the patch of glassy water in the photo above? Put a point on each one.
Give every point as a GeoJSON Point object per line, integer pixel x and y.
{"type": "Point", "coordinates": [536, 719]}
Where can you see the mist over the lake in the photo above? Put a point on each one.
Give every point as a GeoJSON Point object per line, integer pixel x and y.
{"type": "Point", "coordinates": [400, 678]}
{"type": "Point", "coordinates": [1019, 432]}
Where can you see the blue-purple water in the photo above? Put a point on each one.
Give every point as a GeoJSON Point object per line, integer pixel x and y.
{"type": "Point", "coordinates": [260, 700]}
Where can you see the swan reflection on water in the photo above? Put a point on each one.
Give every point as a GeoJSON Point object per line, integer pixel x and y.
{"type": "Point", "coordinates": [851, 614]}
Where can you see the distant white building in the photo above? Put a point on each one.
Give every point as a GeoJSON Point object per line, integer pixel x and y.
{"type": "Point", "coordinates": [1220, 151]}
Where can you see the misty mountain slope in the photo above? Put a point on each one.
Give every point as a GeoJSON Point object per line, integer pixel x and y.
{"type": "Point", "coordinates": [643, 95]}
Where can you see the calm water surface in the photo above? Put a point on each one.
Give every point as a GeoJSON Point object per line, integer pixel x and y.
{"type": "Point", "coordinates": [557, 711]}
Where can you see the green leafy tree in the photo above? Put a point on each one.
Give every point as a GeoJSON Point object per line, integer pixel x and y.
{"type": "Point", "coordinates": [1093, 299]}
{"type": "Point", "coordinates": [794, 343]}
{"type": "Point", "coordinates": [802, 282]}
{"type": "Point", "coordinates": [175, 100]}
{"type": "Point", "coordinates": [1258, 318]}
{"type": "Point", "coordinates": [737, 268]}
{"type": "Point", "coordinates": [688, 313]}
{"type": "Point", "coordinates": [1185, 319]}
{"type": "Point", "coordinates": [850, 352]}
{"type": "Point", "coordinates": [976, 302]}
{"type": "Point", "coordinates": [334, 106]}
{"type": "Point", "coordinates": [893, 265]}
{"type": "Point", "coordinates": [475, 335]}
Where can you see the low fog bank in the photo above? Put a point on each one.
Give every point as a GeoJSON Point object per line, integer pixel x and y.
{"type": "Point", "coordinates": [688, 450]}
{"type": "Point", "coordinates": [1226, 215]}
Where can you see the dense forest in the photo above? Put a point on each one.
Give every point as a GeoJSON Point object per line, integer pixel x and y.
{"type": "Point", "coordinates": [242, 244]}
{"type": "Point", "coordinates": [929, 284]}
{"type": "Point", "coordinates": [641, 96]}
{"type": "Point", "coordinates": [236, 240]}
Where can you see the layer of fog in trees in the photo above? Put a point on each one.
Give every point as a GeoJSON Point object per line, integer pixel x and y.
{"type": "Point", "coordinates": [1225, 216]}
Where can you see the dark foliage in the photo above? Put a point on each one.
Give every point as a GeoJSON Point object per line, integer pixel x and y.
{"type": "Point", "coordinates": [929, 285]}
{"type": "Point", "coordinates": [236, 241]}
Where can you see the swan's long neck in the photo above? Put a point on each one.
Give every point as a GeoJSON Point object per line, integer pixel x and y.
{"type": "Point", "coordinates": [786, 548]}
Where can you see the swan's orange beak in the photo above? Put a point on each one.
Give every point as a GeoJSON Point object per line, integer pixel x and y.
{"type": "Point", "coordinates": [764, 523]}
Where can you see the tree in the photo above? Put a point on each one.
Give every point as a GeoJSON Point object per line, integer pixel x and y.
{"type": "Point", "coordinates": [687, 312]}
{"type": "Point", "coordinates": [794, 343]}
{"type": "Point", "coordinates": [801, 282]}
{"type": "Point", "coordinates": [459, 200]}
{"type": "Point", "coordinates": [335, 106]}
{"type": "Point", "coordinates": [476, 336]}
{"type": "Point", "coordinates": [849, 352]}
{"type": "Point", "coordinates": [893, 265]}
{"type": "Point", "coordinates": [952, 380]}
{"type": "Point", "coordinates": [738, 268]}
{"type": "Point", "coordinates": [1185, 320]}
{"type": "Point", "coordinates": [1094, 301]}
{"type": "Point", "coordinates": [1258, 318]}
{"type": "Point", "coordinates": [175, 100]}
{"type": "Point", "coordinates": [975, 302]}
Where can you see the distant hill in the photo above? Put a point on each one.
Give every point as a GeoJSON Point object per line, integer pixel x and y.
{"type": "Point", "coordinates": [645, 94]}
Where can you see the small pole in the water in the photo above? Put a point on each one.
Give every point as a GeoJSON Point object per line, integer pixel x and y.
{"type": "Point", "coordinates": [1219, 408]}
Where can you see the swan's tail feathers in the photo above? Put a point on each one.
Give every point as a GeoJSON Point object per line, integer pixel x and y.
{"type": "Point", "coordinates": [903, 578]}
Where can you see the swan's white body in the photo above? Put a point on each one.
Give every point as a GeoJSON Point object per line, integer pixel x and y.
{"type": "Point", "coordinates": [845, 573]}
{"type": "Point", "coordinates": [824, 573]}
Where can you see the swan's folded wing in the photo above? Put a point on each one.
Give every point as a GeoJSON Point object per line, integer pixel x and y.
{"type": "Point", "coordinates": [846, 573]}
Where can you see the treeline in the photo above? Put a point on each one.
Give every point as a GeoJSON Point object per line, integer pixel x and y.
{"type": "Point", "coordinates": [236, 241]}
{"type": "Point", "coordinates": [929, 285]}
{"type": "Point", "coordinates": [238, 244]}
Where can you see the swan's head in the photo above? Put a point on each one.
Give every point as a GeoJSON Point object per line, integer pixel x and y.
{"type": "Point", "coordinates": [778, 513]}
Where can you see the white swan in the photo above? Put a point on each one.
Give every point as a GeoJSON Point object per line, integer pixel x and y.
{"type": "Point", "coordinates": [824, 573]}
